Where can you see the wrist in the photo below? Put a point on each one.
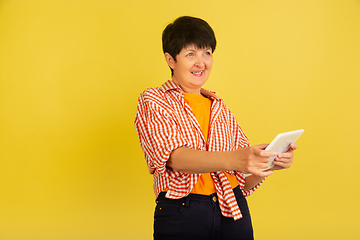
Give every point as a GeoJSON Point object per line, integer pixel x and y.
{"type": "Point", "coordinates": [231, 163]}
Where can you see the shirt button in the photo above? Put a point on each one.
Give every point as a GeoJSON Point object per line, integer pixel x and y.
{"type": "Point", "coordinates": [214, 199]}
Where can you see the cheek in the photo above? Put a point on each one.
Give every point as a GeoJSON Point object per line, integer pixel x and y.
{"type": "Point", "coordinates": [209, 63]}
{"type": "Point", "coordinates": [186, 66]}
{"type": "Point", "coordinates": [181, 69]}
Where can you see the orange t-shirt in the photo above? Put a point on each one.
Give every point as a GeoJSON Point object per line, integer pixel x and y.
{"type": "Point", "coordinates": [201, 107]}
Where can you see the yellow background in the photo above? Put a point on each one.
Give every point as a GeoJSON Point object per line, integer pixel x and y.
{"type": "Point", "coordinates": [70, 73]}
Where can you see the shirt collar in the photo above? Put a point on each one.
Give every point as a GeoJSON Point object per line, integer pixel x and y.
{"type": "Point", "coordinates": [170, 85]}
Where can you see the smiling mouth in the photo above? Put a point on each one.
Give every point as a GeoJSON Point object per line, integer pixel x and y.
{"type": "Point", "coordinates": [198, 73]}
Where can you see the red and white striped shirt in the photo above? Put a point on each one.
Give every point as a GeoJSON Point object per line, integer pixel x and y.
{"type": "Point", "coordinates": [165, 122]}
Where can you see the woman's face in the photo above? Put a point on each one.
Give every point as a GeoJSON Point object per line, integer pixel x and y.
{"type": "Point", "coordinates": [191, 68]}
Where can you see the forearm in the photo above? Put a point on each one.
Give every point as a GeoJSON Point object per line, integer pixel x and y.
{"type": "Point", "coordinates": [245, 160]}
{"type": "Point", "coordinates": [195, 161]}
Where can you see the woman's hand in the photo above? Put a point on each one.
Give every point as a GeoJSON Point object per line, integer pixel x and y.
{"type": "Point", "coordinates": [281, 161]}
{"type": "Point", "coordinates": [252, 159]}
{"type": "Point", "coordinates": [284, 160]}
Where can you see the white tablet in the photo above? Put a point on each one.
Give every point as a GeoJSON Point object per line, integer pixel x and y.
{"type": "Point", "coordinates": [281, 143]}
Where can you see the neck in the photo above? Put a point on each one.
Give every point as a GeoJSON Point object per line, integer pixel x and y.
{"type": "Point", "coordinates": [195, 90]}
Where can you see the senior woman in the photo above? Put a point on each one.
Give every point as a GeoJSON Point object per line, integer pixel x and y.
{"type": "Point", "coordinates": [194, 147]}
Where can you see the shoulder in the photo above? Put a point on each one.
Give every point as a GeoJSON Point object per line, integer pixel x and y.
{"type": "Point", "coordinates": [156, 99]}
{"type": "Point", "coordinates": [169, 90]}
{"type": "Point", "coordinates": [224, 108]}
{"type": "Point", "coordinates": [150, 95]}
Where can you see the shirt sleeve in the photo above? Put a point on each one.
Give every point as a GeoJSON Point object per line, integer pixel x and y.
{"type": "Point", "coordinates": [241, 141]}
{"type": "Point", "coordinates": [157, 130]}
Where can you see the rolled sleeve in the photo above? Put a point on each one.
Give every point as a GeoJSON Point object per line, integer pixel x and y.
{"type": "Point", "coordinates": [157, 132]}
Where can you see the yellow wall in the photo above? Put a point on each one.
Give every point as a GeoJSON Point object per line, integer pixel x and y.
{"type": "Point", "coordinates": [70, 74]}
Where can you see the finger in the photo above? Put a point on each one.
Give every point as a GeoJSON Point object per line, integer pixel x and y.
{"type": "Point", "coordinates": [293, 146]}
{"type": "Point", "coordinates": [284, 160]}
{"type": "Point", "coordinates": [282, 164]}
{"type": "Point", "coordinates": [259, 173]}
{"type": "Point", "coordinates": [264, 153]}
{"type": "Point", "coordinates": [285, 155]}
{"type": "Point", "coordinates": [262, 165]}
{"type": "Point", "coordinates": [261, 146]}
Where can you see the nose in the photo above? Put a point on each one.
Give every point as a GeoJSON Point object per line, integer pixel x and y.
{"type": "Point", "coordinates": [199, 62]}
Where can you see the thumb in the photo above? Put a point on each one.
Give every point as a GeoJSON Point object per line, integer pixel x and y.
{"type": "Point", "coordinates": [265, 153]}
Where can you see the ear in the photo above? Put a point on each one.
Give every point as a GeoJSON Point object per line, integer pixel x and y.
{"type": "Point", "coordinates": [170, 60]}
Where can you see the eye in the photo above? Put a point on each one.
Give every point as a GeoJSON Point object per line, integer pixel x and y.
{"type": "Point", "coordinates": [208, 53]}
{"type": "Point", "coordinates": [190, 54]}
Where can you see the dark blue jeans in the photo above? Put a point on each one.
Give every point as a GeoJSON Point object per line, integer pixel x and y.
{"type": "Point", "coordinates": [199, 217]}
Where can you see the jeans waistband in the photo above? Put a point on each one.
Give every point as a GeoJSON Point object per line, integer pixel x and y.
{"type": "Point", "coordinates": [198, 197]}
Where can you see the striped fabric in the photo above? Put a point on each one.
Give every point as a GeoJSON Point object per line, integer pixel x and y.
{"type": "Point", "coordinates": [164, 122]}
